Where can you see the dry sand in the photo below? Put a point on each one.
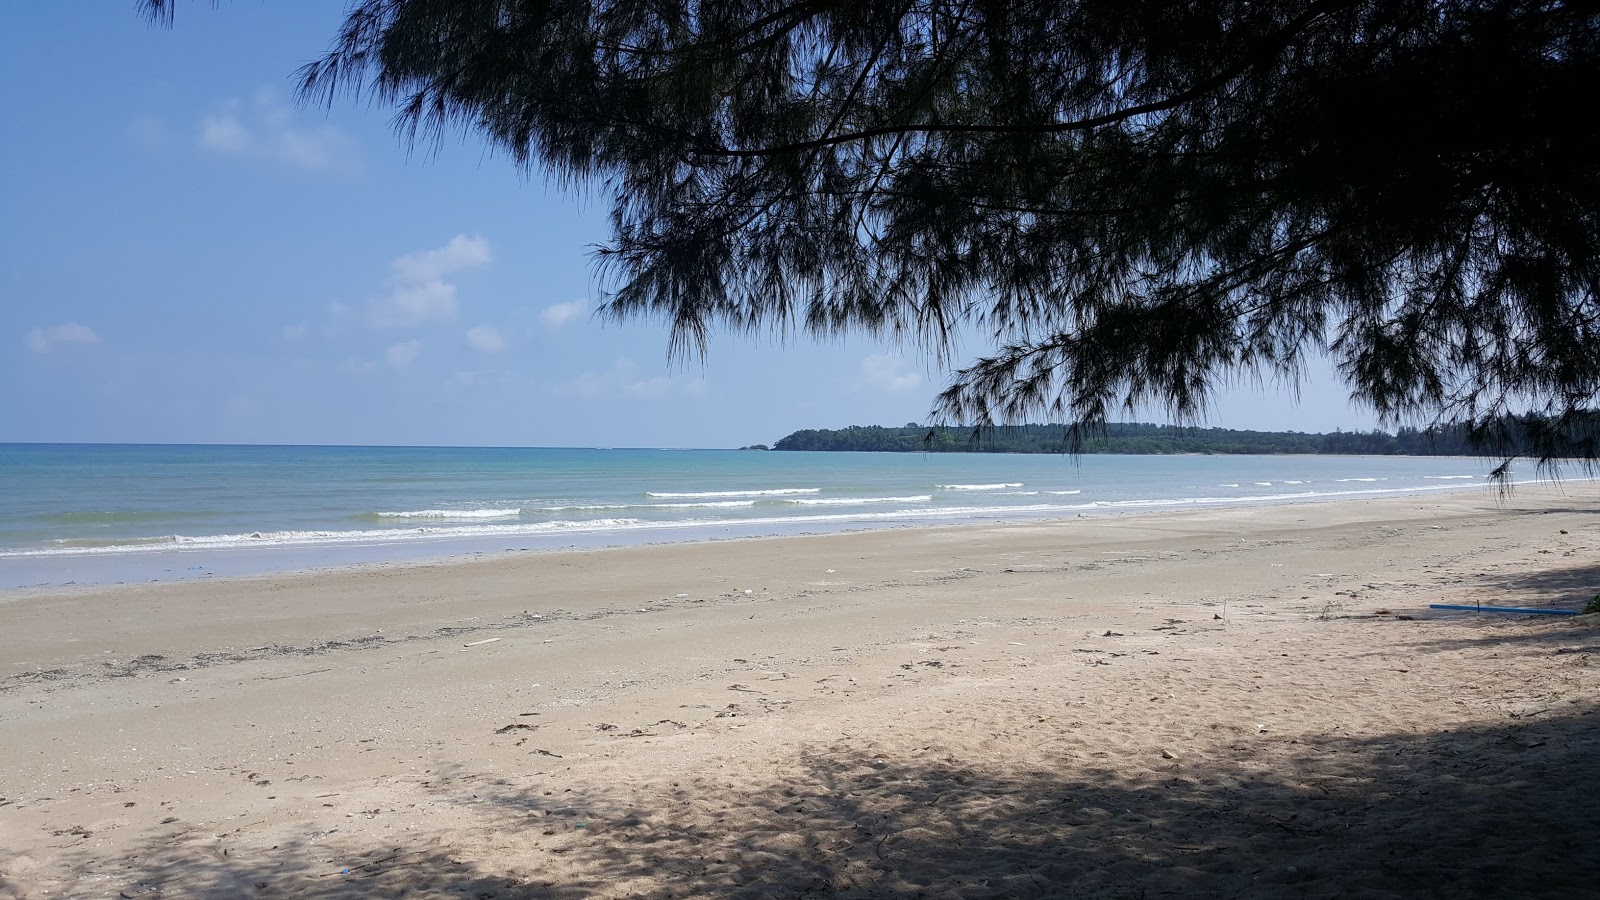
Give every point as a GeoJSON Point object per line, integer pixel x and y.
{"type": "Point", "coordinates": [1232, 703]}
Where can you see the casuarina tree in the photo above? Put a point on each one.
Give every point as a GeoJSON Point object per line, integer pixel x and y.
{"type": "Point", "coordinates": [1139, 202]}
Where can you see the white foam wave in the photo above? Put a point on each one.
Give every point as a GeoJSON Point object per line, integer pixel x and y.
{"type": "Point", "coordinates": [1234, 484]}
{"type": "Point", "coordinates": [714, 504]}
{"type": "Point", "coordinates": [1063, 493]}
{"type": "Point", "coordinates": [691, 495]}
{"type": "Point", "coordinates": [921, 513]}
{"type": "Point", "coordinates": [453, 514]}
{"type": "Point", "coordinates": [926, 513]}
{"type": "Point", "coordinates": [710, 504]}
{"type": "Point", "coordinates": [979, 487]}
{"type": "Point", "coordinates": [1262, 483]}
{"type": "Point", "coordinates": [582, 507]}
{"type": "Point", "coordinates": [860, 501]}
{"type": "Point", "coordinates": [1047, 509]}
{"type": "Point", "coordinates": [305, 538]}
{"type": "Point", "coordinates": [1361, 479]}
{"type": "Point", "coordinates": [1448, 477]}
{"type": "Point", "coordinates": [1297, 495]}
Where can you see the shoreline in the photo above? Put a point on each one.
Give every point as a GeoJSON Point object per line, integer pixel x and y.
{"type": "Point", "coordinates": [32, 571]}
{"type": "Point", "coordinates": [1207, 701]}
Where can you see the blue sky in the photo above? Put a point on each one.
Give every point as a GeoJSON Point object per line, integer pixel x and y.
{"type": "Point", "coordinates": [186, 256]}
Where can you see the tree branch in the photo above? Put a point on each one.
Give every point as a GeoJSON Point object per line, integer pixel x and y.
{"type": "Point", "coordinates": [1265, 52]}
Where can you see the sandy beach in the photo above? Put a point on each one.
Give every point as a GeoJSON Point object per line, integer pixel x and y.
{"type": "Point", "coordinates": [1238, 702]}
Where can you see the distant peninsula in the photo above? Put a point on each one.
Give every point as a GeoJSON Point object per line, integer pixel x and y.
{"type": "Point", "coordinates": [1126, 437]}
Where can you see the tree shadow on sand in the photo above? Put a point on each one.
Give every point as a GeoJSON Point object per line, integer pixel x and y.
{"type": "Point", "coordinates": [1509, 810]}
{"type": "Point", "coordinates": [1510, 634]}
{"type": "Point", "coordinates": [1566, 588]}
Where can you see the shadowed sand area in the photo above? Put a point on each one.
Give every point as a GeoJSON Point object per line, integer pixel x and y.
{"type": "Point", "coordinates": [1233, 703]}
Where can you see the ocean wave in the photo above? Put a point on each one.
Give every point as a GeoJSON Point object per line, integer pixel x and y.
{"type": "Point", "coordinates": [709, 525]}
{"type": "Point", "coordinates": [303, 538]}
{"type": "Point", "coordinates": [91, 544]}
{"type": "Point", "coordinates": [587, 507]}
{"type": "Point", "coordinates": [1361, 479]}
{"type": "Point", "coordinates": [1257, 498]}
{"type": "Point", "coordinates": [591, 507]}
{"type": "Point", "coordinates": [690, 495]}
{"type": "Point", "coordinates": [925, 512]}
{"type": "Point", "coordinates": [859, 501]}
{"type": "Point", "coordinates": [714, 504]}
{"type": "Point", "coordinates": [452, 514]}
{"type": "Point", "coordinates": [979, 487]}
{"type": "Point", "coordinates": [1063, 493]}
{"type": "Point", "coordinates": [1231, 484]}
{"type": "Point", "coordinates": [1448, 477]}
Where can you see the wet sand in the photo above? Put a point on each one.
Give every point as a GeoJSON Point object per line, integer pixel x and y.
{"type": "Point", "coordinates": [1232, 702]}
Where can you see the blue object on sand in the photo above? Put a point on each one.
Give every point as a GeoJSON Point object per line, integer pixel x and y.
{"type": "Point", "coordinates": [1505, 609]}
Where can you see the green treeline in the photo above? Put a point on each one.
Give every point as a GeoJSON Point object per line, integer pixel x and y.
{"type": "Point", "coordinates": [1127, 438]}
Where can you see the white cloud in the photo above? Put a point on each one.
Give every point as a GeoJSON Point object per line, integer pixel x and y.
{"type": "Point", "coordinates": [403, 354]}
{"type": "Point", "coordinates": [649, 389]}
{"type": "Point", "coordinates": [44, 340]}
{"type": "Point", "coordinates": [413, 304]}
{"type": "Point", "coordinates": [461, 252]}
{"type": "Point", "coordinates": [296, 332]}
{"type": "Point", "coordinates": [486, 339]}
{"type": "Point", "coordinates": [561, 313]}
{"type": "Point", "coordinates": [225, 133]}
{"type": "Point", "coordinates": [265, 128]}
{"type": "Point", "coordinates": [889, 372]}
{"type": "Point", "coordinates": [420, 292]}
{"type": "Point", "coordinates": [623, 379]}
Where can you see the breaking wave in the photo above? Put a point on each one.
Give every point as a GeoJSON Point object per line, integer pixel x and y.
{"type": "Point", "coordinates": [452, 514]}
{"type": "Point", "coordinates": [691, 495]}
{"type": "Point", "coordinates": [859, 501]}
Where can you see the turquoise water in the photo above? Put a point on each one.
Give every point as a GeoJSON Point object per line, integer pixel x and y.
{"type": "Point", "coordinates": [74, 512]}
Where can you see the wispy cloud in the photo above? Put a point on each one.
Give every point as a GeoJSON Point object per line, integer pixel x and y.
{"type": "Point", "coordinates": [624, 379]}
{"type": "Point", "coordinates": [419, 292]}
{"type": "Point", "coordinates": [485, 339]}
{"type": "Point", "coordinates": [461, 252]}
{"type": "Point", "coordinates": [413, 304]}
{"type": "Point", "coordinates": [265, 128]}
{"type": "Point", "coordinates": [397, 357]}
{"type": "Point", "coordinates": [54, 337]}
{"type": "Point", "coordinates": [562, 313]}
{"type": "Point", "coordinates": [403, 354]}
{"type": "Point", "coordinates": [890, 373]}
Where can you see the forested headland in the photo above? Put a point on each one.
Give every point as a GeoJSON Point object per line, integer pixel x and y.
{"type": "Point", "coordinates": [1126, 438]}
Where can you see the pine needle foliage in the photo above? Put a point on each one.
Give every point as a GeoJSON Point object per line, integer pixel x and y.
{"type": "Point", "coordinates": [1139, 202]}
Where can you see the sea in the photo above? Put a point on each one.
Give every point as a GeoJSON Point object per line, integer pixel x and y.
{"type": "Point", "coordinates": [94, 514]}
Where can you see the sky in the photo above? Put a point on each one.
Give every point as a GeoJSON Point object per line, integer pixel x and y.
{"type": "Point", "coordinates": [187, 256]}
